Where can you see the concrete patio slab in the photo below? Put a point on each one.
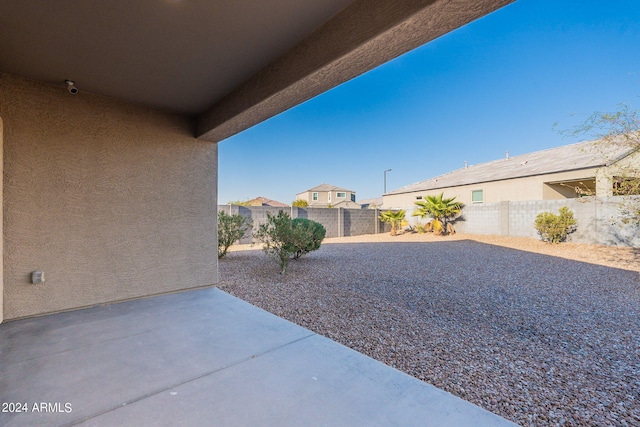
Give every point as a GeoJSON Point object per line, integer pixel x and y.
{"type": "Point", "coordinates": [204, 358]}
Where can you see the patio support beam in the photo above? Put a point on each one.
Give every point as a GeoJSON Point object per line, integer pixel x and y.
{"type": "Point", "coordinates": [366, 34]}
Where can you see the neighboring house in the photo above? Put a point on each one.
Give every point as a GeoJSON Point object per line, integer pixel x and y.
{"type": "Point", "coordinates": [569, 171]}
{"type": "Point", "coordinates": [263, 201]}
{"type": "Point", "coordinates": [326, 195]}
{"type": "Point", "coordinates": [375, 203]}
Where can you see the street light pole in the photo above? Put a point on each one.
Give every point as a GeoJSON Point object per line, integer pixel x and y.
{"type": "Point", "coordinates": [385, 180]}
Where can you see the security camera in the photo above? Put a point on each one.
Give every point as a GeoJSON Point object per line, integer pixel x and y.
{"type": "Point", "coordinates": [71, 87]}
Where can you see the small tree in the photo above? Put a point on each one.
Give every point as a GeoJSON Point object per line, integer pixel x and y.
{"type": "Point", "coordinates": [614, 131]}
{"type": "Point", "coordinates": [395, 218]}
{"type": "Point", "coordinates": [284, 238]}
{"type": "Point", "coordinates": [442, 210]}
{"type": "Point", "coordinates": [275, 235]}
{"type": "Point", "coordinates": [231, 228]}
{"type": "Point", "coordinates": [300, 203]}
{"type": "Point", "coordinates": [239, 203]}
{"type": "Point", "coordinates": [555, 228]}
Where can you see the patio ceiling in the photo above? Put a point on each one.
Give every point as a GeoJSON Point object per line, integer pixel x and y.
{"type": "Point", "coordinates": [228, 64]}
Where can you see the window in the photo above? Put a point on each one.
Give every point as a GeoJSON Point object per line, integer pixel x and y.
{"type": "Point", "coordinates": [329, 196]}
{"type": "Point", "coordinates": [341, 195]}
{"type": "Point", "coordinates": [353, 197]}
{"type": "Point", "coordinates": [314, 197]}
{"type": "Point", "coordinates": [477, 196]}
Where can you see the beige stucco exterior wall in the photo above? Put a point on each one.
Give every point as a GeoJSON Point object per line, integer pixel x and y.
{"type": "Point", "coordinates": [323, 197]}
{"type": "Point", "coordinates": [628, 167]}
{"type": "Point", "coordinates": [1, 224]}
{"type": "Point", "coordinates": [347, 198]}
{"type": "Point", "coordinates": [518, 189]}
{"type": "Point", "coordinates": [306, 195]}
{"type": "Point", "coordinates": [112, 201]}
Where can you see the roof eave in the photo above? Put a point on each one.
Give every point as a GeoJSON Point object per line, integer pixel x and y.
{"type": "Point", "coordinates": [494, 180]}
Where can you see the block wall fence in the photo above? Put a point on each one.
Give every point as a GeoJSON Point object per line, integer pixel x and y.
{"type": "Point", "coordinates": [339, 222]}
{"type": "Point", "coordinates": [598, 219]}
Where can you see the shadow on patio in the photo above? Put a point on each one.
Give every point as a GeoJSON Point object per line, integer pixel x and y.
{"type": "Point", "coordinates": [204, 358]}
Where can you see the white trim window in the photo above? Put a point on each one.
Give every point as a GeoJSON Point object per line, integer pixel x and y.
{"type": "Point", "coordinates": [329, 197]}
{"type": "Point", "coordinates": [341, 195]}
{"type": "Point", "coordinates": [477, 196]}
{"type": "Point", "coordinates": [314, 196]}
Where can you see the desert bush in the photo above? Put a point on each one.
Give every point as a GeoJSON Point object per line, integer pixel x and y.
{"type": "Point", "coordinates": [555, 228]}
{"type": "Point", "coordinates": [275, 235]}
{"type": "Point", "coordinates": [284, 238]}
{"type": "Point", "coordinates": [300, 203]}
{"type": "Point", "coordinates": [231, 228]}
{"type": "Point", "coordinates": [307, 236]}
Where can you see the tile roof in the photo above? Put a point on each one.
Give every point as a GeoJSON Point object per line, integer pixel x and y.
{"type": "Point", "coordinates": [263, 201]}
{"type": "Point", "coordinates": [375, 201]}
{"type": "Point", "coordinates": [327, 187]}
{"type": "Point", "coordinates": [582, 155]}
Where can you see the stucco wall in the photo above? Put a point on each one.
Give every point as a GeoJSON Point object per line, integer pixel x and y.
{"type": "Point", "coordinates": [627, 167]}
{"type": "Point", "coordinates": [1, 223]}
{"type": "Point", "coordinates": [517, 189]}
{"type": "Point", "coordinates": [112, 201]}
{"type": "Point", "coordinates": [323, 197]}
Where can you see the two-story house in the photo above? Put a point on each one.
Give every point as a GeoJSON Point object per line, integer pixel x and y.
{"type": "Point", "coordinates": [326, 195]}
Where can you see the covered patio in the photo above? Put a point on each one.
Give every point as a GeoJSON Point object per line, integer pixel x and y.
{"type": "Point", "coordinates": [110, 116]}
{"type": "Point", "coordinates": [203, 357]}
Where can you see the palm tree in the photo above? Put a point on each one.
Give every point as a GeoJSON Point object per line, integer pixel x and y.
{"type": "Point", "coordinates": [395, 218]}
{"type": "Point", "coordinates": [440, 209]}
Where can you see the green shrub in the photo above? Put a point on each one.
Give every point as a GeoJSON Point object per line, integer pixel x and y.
{"type": "Point", "coordinates": [555, 228]}
{"type": "Point", "coordinates": [275, 235]}
{"type": "Point", "coordinates": [231, 228]}
{"type": "Point", "coordinates": [284, 238]}
{"type": "Point", "coordinates": [239, 203]}
{"type": "Point", "coordinates": [307, 236]}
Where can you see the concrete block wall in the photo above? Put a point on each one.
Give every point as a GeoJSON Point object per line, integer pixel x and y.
{"type": "Point", "coordinates": [481, 219]}
{"type": "Point", "coordinates": [522, 216]}
{"type": "Point", "coordinates": [258, 214]}
{"type": "Point", "coordinates": [609, 227]}
{"type": "Point", "coordinates": [338, 222]}
{"type": "Point", "coordinates": [598, 220]}
{"type": "Point", "coordinates": [360, 221]}
{"type": "Point", "coordinates": [329, 218]}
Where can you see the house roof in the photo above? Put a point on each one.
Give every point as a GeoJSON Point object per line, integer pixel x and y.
{"type": "Point", "coordinates": [263, 201]}
{"type": "Point", "coordinates": [327, 187]}
{"type": "Point", "coordinates": [347, 204]}
{"type": "Point", "coordinates": [583, 155]}
{"type": "Point", "coordinates": [227, 64]}
{"type": "Point", "coordinates": [375, 201]}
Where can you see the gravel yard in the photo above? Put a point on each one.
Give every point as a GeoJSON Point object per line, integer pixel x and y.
{"type": "Point", "coordinates": [539, 334]}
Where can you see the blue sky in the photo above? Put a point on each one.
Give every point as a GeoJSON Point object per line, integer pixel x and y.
{"type": "Point", "coordinates": [497, 84]}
